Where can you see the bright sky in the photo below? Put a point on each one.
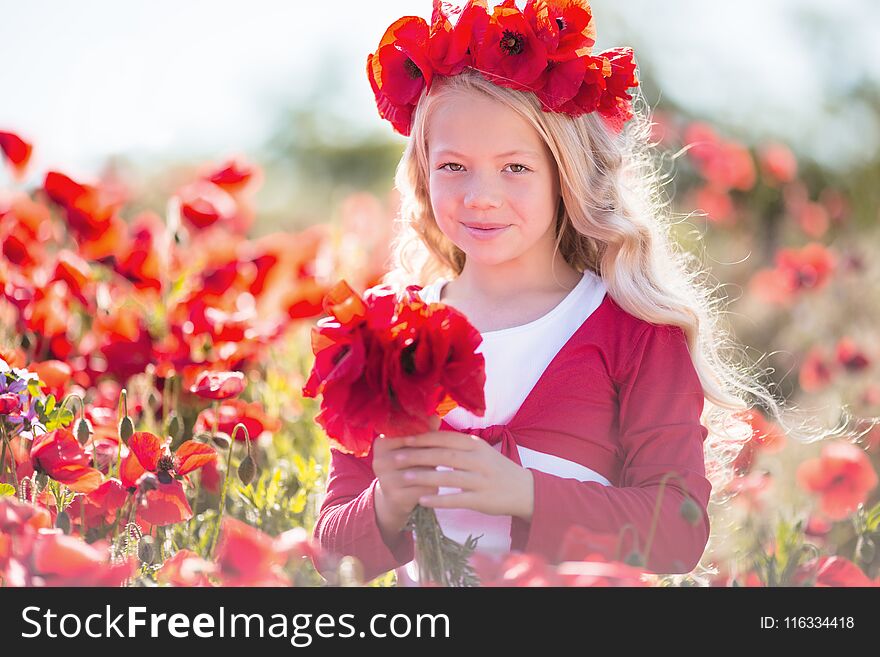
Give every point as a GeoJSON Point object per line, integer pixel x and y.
{"type": "Point", "coordinates": [167, 78]}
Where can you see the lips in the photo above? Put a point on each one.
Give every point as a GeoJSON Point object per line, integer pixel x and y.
{"type": "Point", "coordinates": [491, 230]}
{"type": "Point", "coordinates": [485, 226]}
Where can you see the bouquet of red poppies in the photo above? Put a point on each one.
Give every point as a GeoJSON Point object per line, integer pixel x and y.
{"type": "Point", "coordinates": [386, 366]}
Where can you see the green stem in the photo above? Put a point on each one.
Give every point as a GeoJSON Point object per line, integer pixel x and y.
{"type": "Point", "coordinates": [225, 488]}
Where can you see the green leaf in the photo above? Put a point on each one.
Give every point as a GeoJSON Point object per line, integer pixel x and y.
{"type": "Point", "coordinates": [7, 489]}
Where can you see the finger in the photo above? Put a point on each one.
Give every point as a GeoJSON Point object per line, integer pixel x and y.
{"type": "Point", "coordinates": [452, 439]}
{"type": "Point", "coordinates": [432, 456]}
{"type": "Point", "coordinates": [388, 444]}
{"type": "Point", "coordinates": [444, 478]}
{"type": "Point", "coordinates": [463, 500]}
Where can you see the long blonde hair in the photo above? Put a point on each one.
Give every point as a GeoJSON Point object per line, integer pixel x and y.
{"type": "Point", "coordinates": [613, 221]}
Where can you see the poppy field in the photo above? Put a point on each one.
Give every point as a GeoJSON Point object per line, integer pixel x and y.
{"type": "Point", "coordinates": [154, 351]}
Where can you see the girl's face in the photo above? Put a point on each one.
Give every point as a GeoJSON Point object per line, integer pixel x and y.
{"type": "Point", "coordinates": [492, 181]}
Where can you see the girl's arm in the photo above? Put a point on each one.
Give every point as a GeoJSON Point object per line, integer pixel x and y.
{"type": "Point", "coordinates": [660, 401]}
{"type": "Point", "coordinates": [347, 521]}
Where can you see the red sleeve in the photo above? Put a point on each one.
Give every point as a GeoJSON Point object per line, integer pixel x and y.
{"type": "Point", "coordinates": [660, 402]}
{"type": "Point", "coordinates": [346, 523]}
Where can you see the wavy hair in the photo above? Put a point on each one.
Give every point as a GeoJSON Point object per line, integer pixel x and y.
{"type": "Point", "coordinates": [614, 221]}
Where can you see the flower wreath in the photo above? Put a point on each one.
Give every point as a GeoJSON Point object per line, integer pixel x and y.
{"type": "Point", "coordinates": [545, 49]}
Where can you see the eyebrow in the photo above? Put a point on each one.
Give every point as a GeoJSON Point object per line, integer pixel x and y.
{"type": "Point", "coordinates": [500, 155]}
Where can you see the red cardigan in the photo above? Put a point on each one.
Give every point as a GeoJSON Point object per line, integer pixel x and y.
{"type": "Point", "coordinates": [622, 398]}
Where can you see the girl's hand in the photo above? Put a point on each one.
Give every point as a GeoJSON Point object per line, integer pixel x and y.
{"type": "Point", "coordinates": [489, 481]}
{"type": "Point", "coordinates": [395, 496]}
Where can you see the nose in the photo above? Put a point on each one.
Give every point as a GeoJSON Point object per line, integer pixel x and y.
{"type": "Point", "coordinates": [481, 195]}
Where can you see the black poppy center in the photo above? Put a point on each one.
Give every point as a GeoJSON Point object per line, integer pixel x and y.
{"type": "Point", "coordinates": [164, 467]}
{"type": "Point", "coordinates": [513, 43]}
{"type": "Point", "coordinates": [407, 359]}
{"type": "Point", "coordinates": [412, 70]}
{"type": "Point", "coordinates": [561, 23]}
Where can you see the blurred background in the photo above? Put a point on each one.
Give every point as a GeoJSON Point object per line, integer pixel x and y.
{"type": "Point", "coordinates": [258, 119]}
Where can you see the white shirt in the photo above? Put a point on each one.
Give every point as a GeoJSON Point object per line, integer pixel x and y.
{"type": "Point", "coordinates": [515, 359]}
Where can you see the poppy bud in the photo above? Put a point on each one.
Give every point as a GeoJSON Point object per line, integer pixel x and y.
{"type": "Point", "coordinates": [865, 549]}
{"type": "Point", "coordinates": [126, 429]}
{"type": "Point", "coordinates": [83, 431]}
{"type": "Point", "coordinates": [690, 511]}
{"type": "Point", "coordinates": [634, 559]}
{"type": "Point", "coordinates": [247, 470]}
{"type": "Point", "coordinates": [202, 437]}
{"type": "Point", "coordinates": [220, 440]}
{"type": "Point", "coordinates": [145, 549]}
{"type": "Point", "coordinates": [62, 521]}
{"type": "Point", "coordinates": [41, 479]}
{"type": "Point", "coordinates": [175, 426]}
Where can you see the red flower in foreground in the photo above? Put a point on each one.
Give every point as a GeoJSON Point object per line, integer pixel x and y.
{"type": "Point", "coordinates": [58, 454]}
{"type": "Point", "coordinates": [385, 366]}
{"type": "Point", "coordinates": [832, 571]}
{"type": "Point", "coordinates": [843, 476]}
{"type": "Point", "coordinates": [450, 48]}
{"type": "Point", "coordinates": [60, 560]}
{"type": "Point", "coordinates": [218, 385]}
{"type": "Point", "coordinates": [247, 557]}
{"type": "Point", "coordinates": [16, 150]}
{"type": "Point", "coordinates": [186, 568]}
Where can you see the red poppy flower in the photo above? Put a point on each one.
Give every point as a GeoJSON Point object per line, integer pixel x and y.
{"type": "Point", "coordinates": [218, 385]}
{"type": "Point", "coordinates": [186, 568]}
{"type": "Point", "coordinates": [592, 85]}
{"type": "Point", "coordinates": [842, 476]}
{"type": "Point", "coordinates": [716, 203]}
{"type": "Point", "coordinates": [204, 204]}
{"type": "Point", "coordinates": [724, 163]}
{"type": "Point", "coordinates": [99, 506]}
{"type": "Point", "coordinates": [832, 571]}
{"type": "Point", "coordinates": [142, 260]}
{"type": "Point", "coordinates": [796, 271]}
{"type": "Point", "coordinates": [815, 373]}
{"type": "Point", "coordinates": [58, 454]}
{"type": "Point", "coordinates": [74, 271]}
{"type": "Point", "coordinates": [60, 560]}
{"type": "Point", "coordinates": [89, 210]}
{"type": "Point", "coordinates": [16, 150]}
{"type": "Point", "coordinates": [616, 103]}
{"type": "Point", "coordinates": [233, 175]}
{"type": "Point", "coordinates": [147, 453]}
{"type": "Point", "coordinates": [55, 374]}
{"type": "Point", "coordinates": [247, 557]}
{"type": "Point", "coordinates": [163, 501]}
{"type": "Point", "coordinates": [850, 356]}
{"type": "Point", "coordinates": [235, 411]}
{"type": "Point", "coordinates": [387, 367]}
{"type": "Point", "coordinates": [510, 54]}
{"type": "Point", "coordinates": [450, 49]}
{"type": "Point", "coordinates": [565, 26]}
{"type": "Point", "coordinates": [778, 164]}
{"type": "Point", "coordinates": [399, 70]}
{"type": "Point", "coordinates": [813, 219]}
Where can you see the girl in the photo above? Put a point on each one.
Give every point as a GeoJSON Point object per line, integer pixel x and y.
{"type": "Point", "coordinates": [539, 220]}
